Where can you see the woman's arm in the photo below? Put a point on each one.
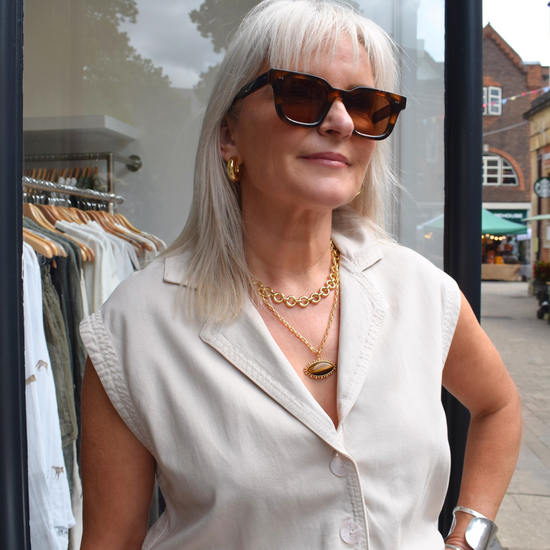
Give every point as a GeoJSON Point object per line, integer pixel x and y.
{"type": "Point", "coordinates": [475, 374]}
{"type": "Point", "coordinates": [117, 474]}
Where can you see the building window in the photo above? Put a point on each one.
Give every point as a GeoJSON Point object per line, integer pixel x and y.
{"type": "Point", "coordinates": [492, 100]}
{"type": "Point", "coordinates": [498, 171]}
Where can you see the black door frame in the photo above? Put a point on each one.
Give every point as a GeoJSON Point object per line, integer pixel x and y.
{"type": "Point", "coordinates": [462, 243]}
{"type": "Point", "coordinates": [14, 506]}
{"type": "Point", "coordinates": [463, 193]}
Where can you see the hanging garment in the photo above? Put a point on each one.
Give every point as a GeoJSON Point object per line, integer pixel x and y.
{"type": "Point", "coordinates": [66, 279]}
{"type": "Point", "coordinates": [49, 498]}
{"type": "Point", "coordinates": [101, 274]}
{"type": "Point", "coordinates": [150, 250]}
{"type": "Point", "coordinates": [56, 339]}
{"type": "Point", "coordinates": [75, 533]}
{"type": "Point", "coordinates": [161, 245]}
{"type": "Point", "coordinates": [125, 255]}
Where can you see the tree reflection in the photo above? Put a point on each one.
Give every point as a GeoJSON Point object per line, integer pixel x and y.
{"type": "Point", "coordinates": [78, 62]}
{"type": "Point", "coordinates": [218, 20]}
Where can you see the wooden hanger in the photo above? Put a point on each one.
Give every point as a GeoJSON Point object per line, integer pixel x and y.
{"type": "Point", "coordinates": [32, 212]}
{"type": "Point", "coordinates": [56, 250]}
{"type": "Point", "coordinates": [80, 214]}
{"type": "Point", "coordinates": [38, 243]}
{"type": "Point", "coordinates": [68, 215]}
{"type": "Point", "coordinates": [48, 213]}
{"type": "Point", "coordinates": [124, 222]}
{"type": "Point", "coordinates": [106, 221]}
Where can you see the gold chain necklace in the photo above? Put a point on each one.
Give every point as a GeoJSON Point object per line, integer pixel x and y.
{"type": "Point", "coordinates": [314, 297]}
{"type": "Point", "coordinates": [318, 368]}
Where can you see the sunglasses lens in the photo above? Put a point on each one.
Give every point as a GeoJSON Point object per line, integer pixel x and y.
{"type": "Point", "coordinates": [303, 100]}
{"type": "Point", "coordinates": [370, 112]}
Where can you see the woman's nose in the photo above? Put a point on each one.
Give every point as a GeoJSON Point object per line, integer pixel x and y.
{"type": "Point", "coordinates": [337, 122]}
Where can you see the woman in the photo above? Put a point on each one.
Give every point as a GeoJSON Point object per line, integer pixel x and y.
{"type": "Point", "coordinates": [317, 426]}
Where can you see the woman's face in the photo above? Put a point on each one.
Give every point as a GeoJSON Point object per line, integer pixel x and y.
{"type": "Point", "coordinates": [302, 168]}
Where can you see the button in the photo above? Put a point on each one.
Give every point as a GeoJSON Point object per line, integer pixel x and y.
{"type": "Point", "coordinates": [351, 531]}
{"type": "Point", "coordinates": [341, 466]}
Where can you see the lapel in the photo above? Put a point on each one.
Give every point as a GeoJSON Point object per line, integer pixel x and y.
{"type": "Point", "coordinates": [248, 345]}
{"type": "Point", "coordinates": [362, 309]}
{"type": "Point", "coordinates": [362, 313]}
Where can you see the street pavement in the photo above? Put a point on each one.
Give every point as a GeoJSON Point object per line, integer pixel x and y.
{"type": "Point", "coordinates": [508, 316]}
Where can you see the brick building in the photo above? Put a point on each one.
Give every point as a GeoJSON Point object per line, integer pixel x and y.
{"type": "Point", "coordinates": [539, 118]}
{"type": "Point", "coordinates": [509, 87]}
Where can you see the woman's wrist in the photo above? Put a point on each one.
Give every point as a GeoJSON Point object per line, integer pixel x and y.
{"type": "Point", "coordinates": [470, 530]}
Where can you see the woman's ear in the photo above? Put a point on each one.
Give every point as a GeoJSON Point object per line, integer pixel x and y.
{"type": "Point", "coordinates": [228, 141]}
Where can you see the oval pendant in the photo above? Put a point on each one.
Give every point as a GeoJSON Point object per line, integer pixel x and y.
{"type": "Point", "coordinates": [320, 368]}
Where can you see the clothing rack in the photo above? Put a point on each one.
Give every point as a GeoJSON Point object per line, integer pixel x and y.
{"type": "Point", "coordinates": [43, 185]}
{"type": "Point", "coordinates": [133, 162]}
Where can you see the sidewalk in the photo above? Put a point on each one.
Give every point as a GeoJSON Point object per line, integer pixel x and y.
{"type": "Point", "coordinates": [508, 315]}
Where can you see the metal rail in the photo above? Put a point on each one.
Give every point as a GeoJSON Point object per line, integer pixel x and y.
{"type": "Point", "coordinates": [133, 162]}
{"type": "Point", "coordinates": [48, 186]}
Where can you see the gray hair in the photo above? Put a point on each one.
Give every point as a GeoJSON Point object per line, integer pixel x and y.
{"type": "Point", "coordinates": [284, 34]}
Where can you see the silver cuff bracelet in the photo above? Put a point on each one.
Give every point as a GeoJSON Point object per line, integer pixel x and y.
{"type": "Point", "coordinates": [480, 531]}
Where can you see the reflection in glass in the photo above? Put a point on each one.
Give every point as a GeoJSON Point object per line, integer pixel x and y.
{"type": "Point", "coordinates": [148, 65]}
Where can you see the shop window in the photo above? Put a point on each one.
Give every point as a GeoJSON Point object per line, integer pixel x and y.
{"type": "Point", "coordinates": [492, 100]}
{"type": "Point", "coordinates": [498, 171]}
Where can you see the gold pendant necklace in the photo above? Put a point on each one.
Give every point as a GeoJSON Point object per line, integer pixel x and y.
{"type": "Point", "coordinates": [320, 367]}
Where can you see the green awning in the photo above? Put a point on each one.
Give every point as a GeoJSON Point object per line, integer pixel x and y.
{"type": "Point", "coordinates": [536, 218]}
{"type": "Point", "coordinates": [490, 224]}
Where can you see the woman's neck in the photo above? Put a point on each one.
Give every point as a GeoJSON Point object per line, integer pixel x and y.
{"type": "Point", "coordinates": [288, 251]}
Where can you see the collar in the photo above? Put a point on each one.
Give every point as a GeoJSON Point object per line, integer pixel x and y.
{"type": "Point", "coordinates": [248, 345]}
{"type": "Point", "coordinates": [357, 244]}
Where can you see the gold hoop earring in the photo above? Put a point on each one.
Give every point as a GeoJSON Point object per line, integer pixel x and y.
{"type": "Point", "coordinates": [233, 169]}
{"type": "Point", "coordinates": [360, 189]}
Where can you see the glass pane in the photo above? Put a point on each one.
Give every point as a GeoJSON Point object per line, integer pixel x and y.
{"type": "Point", "coordinates": [115, 93]}
{"type": "Point", "coordinates": [418, 28]}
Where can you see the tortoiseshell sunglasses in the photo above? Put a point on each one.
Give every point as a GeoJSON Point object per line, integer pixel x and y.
{"type": "Point", "coordinates": [304, 100]}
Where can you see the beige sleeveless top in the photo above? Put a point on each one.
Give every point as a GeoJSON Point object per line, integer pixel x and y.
{"type": "Point", "coordinates": [246, 458]}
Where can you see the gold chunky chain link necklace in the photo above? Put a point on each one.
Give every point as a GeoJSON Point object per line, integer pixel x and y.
{"type": "Point", "coordinates": [318, 368]}
{"type": "Point", "coordinates": [314, 297]}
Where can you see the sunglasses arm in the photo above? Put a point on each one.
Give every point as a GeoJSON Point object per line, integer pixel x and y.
{"type": "Point", "coordinates": [256, 84]}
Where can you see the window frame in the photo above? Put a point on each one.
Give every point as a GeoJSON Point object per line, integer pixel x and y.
{"type": "Point", "coordinates": [492, 107]}
{"type": "Point", "coordinates": [502, 165]}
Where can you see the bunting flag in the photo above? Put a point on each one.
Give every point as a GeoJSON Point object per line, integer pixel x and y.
{"type": "Point", "coordinates": [514, 97]}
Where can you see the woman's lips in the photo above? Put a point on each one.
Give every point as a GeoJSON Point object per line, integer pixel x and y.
{"type": "Point", "coordinates": [329, 159]}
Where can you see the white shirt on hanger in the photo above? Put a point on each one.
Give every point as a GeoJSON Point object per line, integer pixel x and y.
{"type": "Point", "coordinates": [147, 255]}
{"type": "Point", "coordinates": [49, 498]}
{"type": "Point", "coordinates": [101, 275]}
{"type": "Point", "coordinates": [120, 250]}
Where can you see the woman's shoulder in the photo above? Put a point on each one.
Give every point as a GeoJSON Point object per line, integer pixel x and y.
{"type": "Point", "coordinates": [362, 245]}
{"type": "Point", "coordinates": [390, 266]}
